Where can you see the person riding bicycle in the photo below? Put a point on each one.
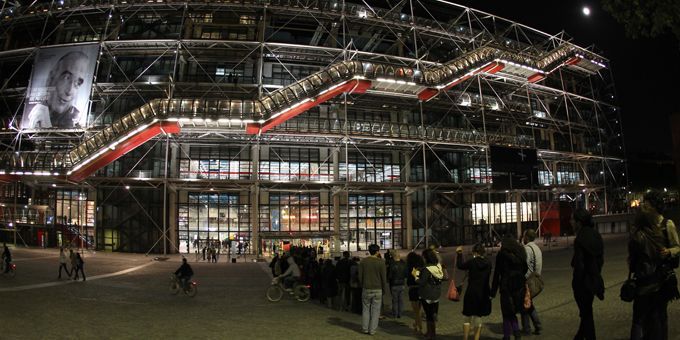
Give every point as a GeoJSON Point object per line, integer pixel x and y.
{"type": "Point", "coordinates": [184, 273]}
{"type": "Point", "coordinates": [291, 275]}
{"type": "Point", "coordinates": [6, 257]}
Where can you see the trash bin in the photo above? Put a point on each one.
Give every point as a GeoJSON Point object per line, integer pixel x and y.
{"type": "Point", "coordinates": [233, 260]}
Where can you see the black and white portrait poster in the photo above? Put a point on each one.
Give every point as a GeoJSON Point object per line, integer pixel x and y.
{"type": "Point", "coordinates": [59, 92]}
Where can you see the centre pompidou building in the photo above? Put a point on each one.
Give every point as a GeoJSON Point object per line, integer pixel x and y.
{"type": "Point", "coordinates": [155, 126]}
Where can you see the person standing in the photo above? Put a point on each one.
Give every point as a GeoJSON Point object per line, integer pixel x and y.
{"type": "Point", "coordinates": [535, 264]}
{"type": "Point", "coordinates": [508, 277]}
{"type": "Point", "coordinates": [414, 261]}
{"type": "Point", "coordinates": [330, 284]}
{"type": "Point", "coordinates": [652, 247]}
{"type": "Point", "coordinates": [62, 263]}
{"type": "Point", "coordinates": [587, 263]}
{"type": "Point", "coordinates": [273, 264]}
{"type": "Point", "coordinates": [397, 277]}
{"type": "Point", "coordinates": [343, 275]}
{"type": "Point", "coordinates": [355, 286]}
{"type": "Point", "coordinates": [373, 280]}
{"type": "Point", "coordinates": [80, 267]}
{"type": "Point", "coordinates": [477, 300]}
{"type": "Point", "coordinates": [429, 280]}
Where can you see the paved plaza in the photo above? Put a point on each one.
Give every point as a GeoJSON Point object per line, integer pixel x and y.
{"type": "Point", "coordinates": [126, 296]}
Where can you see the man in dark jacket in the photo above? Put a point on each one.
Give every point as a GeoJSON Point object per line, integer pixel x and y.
{"type": "Point", "coordinates": [342, 273]}
{"type": "Point", "coordinates": [587, 263]}
{"type": "Point", "coordinates": [397, 276]}
{"type": "Point", "coordinates": [373, 279]}
{"type": "Point", "coordinates": [184, 273]}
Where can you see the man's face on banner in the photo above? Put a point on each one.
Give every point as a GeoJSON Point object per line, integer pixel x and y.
{"type": "Point", "coordinates": [65, 81]}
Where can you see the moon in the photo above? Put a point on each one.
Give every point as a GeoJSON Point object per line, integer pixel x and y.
{"type": "Point", "coordinates": [586, 10]}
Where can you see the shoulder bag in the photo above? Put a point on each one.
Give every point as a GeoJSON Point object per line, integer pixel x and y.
{"type": "Point", "coordinates": [454, 291]}
{"type": "Point", "coordinates": [628, 289]}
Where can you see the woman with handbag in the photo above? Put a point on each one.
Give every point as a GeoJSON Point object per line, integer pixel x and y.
{"type": "Point", "coordinates": [508, 277]}
{"type": "Point", "coordinates": [477, 300]}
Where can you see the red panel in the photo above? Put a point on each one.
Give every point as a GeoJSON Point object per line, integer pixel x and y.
{"type": "Point", "coordinates": [9, 178]}
{"type": "Point", "coordinates": [252, 128]}
{"type": "Point", "coordinates": [573, 60]}
{"type": "Point", "coordinates": [490, 68]}
{"type": "Point", "coordinates": [427, 94]}
{"type": "Point", "coordinates": [123, 148]}
{"type": "Point", "coordinates": [361, 86]}
{"type": "Point", "coordinates": [536, 77]}
{"type": "Point", "coordinates": [497, 68]}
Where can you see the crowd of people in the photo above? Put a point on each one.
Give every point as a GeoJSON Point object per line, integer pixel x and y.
{"type": "Point", "coordinates": [361, 285]}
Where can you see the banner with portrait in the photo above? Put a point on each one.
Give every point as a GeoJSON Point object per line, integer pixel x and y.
{"type": "Point", "coordinates": [58, 94]}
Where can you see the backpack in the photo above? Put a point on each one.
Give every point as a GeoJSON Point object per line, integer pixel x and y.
{"type": "Point", "coordinates": [534, 281]}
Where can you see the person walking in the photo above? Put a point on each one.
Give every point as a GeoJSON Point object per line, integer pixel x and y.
{"type": "Point", "coordinates": [414, 261]}
{"type": "Point", "coordinates": [373, 280]}
{"type": "Point", "coordinates": [429, 280]}
{"type": "Point", "coordinates": [80, 267]}
{"type": "Point", "coordinates": [508, 277]}
{"type": "Point", "coordinates": [397, 274]}
{"type": "Point", "coordinates": [62, 263]}
{"type": "Point", "coordinates": [652, 247]}
{"type": "Point", "coordinates": [73, 261]}
{"type": "Point", "coordinates": [587, 263]}
{"type": "Point", "coordinates": [6, 258]}
{"type": "Point", "coordinates": [535, 264]}
{"type": "Point", "coordinates": [477, 300]}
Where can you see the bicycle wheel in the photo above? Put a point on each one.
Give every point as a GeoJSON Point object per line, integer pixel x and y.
{"type": "Point", "coordinates": [192, 290]}
{"type": "Point", "coordinates": [12, 272]}
{"type": "Point", "coordinates": [174, 288]}
{"type": "Point", "coordinates": [274, 293]}
{"type": "Point", "coordinates": [302, 293]}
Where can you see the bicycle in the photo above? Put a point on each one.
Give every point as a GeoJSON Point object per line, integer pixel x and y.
{"type": "Point", "coordinates": [276, 290]}
{"type": "Point", "coordinates": [176, 285]}
{"type": "Point", "coordinates": [12, 270]}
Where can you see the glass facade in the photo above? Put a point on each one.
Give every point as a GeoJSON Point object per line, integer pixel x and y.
{"type": "Point", "coordinates": [371, 219]}
{"type": "Point", "coordinates": [211, 217]}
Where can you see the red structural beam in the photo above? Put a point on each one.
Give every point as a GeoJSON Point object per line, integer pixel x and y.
{"type": "Point", "coordinates": [9, 178]}
{"type": "Point", "coordinates": [122, 148]}
{"type": "Point", "coordinates": [573, 61]}
{"type": "Point", "coordinates": [536, 77]}
{"type": "Point", "coordinates": [489, 68]}
{"type": "Point", "coordinates": [352, 86]}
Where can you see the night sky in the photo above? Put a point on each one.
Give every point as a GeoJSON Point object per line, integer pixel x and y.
{"type": "Point", "coordinates": [646, 71]}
